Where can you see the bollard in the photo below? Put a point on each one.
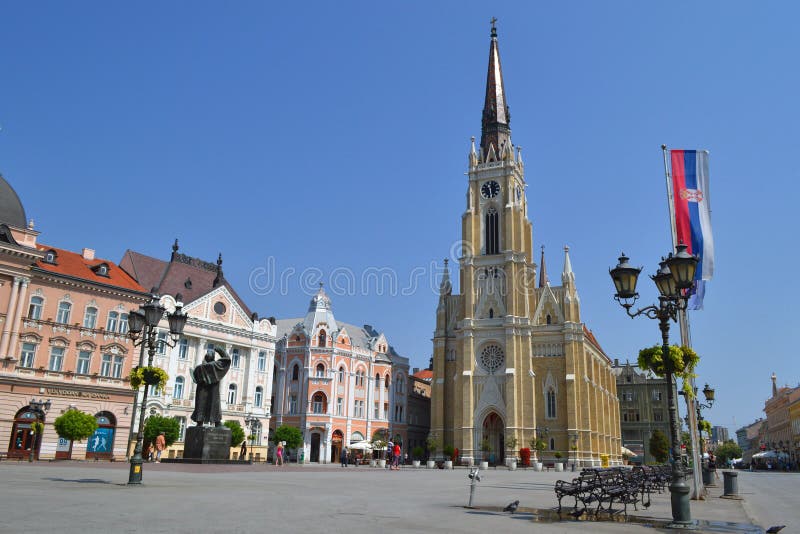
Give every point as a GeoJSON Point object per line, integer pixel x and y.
{"type": "Point", "coordinates": [731, 485]}
{"type": "Point", "coordinates": [475, 477]}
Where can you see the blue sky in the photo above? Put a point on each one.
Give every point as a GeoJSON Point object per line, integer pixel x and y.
{"type": "Point", "coordinates": [332, 138]}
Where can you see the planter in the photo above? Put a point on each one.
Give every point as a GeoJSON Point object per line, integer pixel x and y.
{"type": "Point", "coordinates": [484, 466]}
{"type": "Point", "coordinates": [373, 463]}
{"type": "Point", "coordinates": [559, 466]}
{"type": "Point", "coordinates": [381, 463]}
{"type": "Point", "coordinates": [448, 464]}
{"type": "Point", "coordinates": [415, 463]}
{"type": "Point", "coordinates": [151, 378]}
{"type": "Point", "coordinates": [431, 464]}
{"type": "Point", "coordinates": [537, 466]}
{"type": "Point", "coordinates": [512, 465]}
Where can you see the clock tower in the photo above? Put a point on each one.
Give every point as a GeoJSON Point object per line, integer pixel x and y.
{"type": "Point", "coordinates": [507, 353]}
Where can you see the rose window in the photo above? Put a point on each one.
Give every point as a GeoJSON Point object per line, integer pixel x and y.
{"type": "Point", "coordinates": [492, 358]}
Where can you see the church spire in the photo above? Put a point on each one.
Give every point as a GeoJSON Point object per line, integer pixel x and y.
{"type": "Point", "coordinates": [446, 288]}
{"type": "Point", "coordinates": [567, 275]}
{"type": "Point", "coordinates": [495, 131]}
{"type": "Point", "coordinates": [543, 280]}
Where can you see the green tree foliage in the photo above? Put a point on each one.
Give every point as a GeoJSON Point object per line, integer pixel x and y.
{"type": "Point", "coordinates": [75, 425]}
{"type": "Point", "coordinates": [727, 451]}
{"type": "Point", "coordinates": [659, 446]}
{"type": "Point", "coordinates": [237, 432]}
{"type": "Point", "coordinates": [417, 452]}
{"type": "Point", "coordinates": [157, 424]}
{"type": "Point", "coordinates": [291, 435]}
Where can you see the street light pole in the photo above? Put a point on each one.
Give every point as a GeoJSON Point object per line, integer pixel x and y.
{"type": "Point", "coordinates": [675, 275]}
{"type": "Point", "coordinates": [144, 323]}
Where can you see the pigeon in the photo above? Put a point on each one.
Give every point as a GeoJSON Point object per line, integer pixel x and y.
{"type": "Point", "coordinates": [771, 530]}
{"type": "Point", "coordinates": [512, 507]}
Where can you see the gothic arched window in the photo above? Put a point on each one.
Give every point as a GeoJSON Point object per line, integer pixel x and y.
{"type": "Point", "coordinates": [551, 404]}
{"type": "Point", "coordinates": [295, 372]}
{"type": "Point", "coordinates": [322, 338]}
{"type": "Point", "coordinates": [492, 232]}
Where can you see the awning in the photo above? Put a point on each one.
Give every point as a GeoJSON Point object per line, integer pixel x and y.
{"type": "Point", "coordinates": [626, 451]}
{"type": "Point", "coordinates": [361, 446]}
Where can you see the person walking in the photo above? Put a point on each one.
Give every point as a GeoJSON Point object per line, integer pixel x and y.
{"type": "Point", "coordinates": [279, 454]}
{"type": "Point", "coordinates": [243, 451]}
{"type": "Point", "coordinates": [343, 456]}
{"type": "Point", "coordinates": [161, 444]}
{"type": "Point", "coordinates": [396, 459]}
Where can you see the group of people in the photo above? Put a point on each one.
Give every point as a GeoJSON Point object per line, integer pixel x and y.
{"type": "Point", "coordinates": [159, 444]}
{"type": "Point", "coordinates": [393, 452]}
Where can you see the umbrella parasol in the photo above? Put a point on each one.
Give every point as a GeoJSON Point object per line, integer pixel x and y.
{"type": "Point", "coordinates": [628, 452]}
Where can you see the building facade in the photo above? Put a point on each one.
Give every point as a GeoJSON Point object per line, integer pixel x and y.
{"type": "Point", "coordinates": [777, 434]}
{"type": "Point", "coordinates": [513, 361]}
{"type": "Point", "coordinates": [419, 408]}
{"type": "Point", "coordinates": [747, 437]}
{"type": "Point", "coordinates": [217, 316]}
{"type": "Point", "coordinates": [338, 383]}
{"type": "Point", "coordinates": [643, 408]}
{"type": "Point", "coordinates": [64, 341]}
{"type": "Point", "coordinates": [719, 435]}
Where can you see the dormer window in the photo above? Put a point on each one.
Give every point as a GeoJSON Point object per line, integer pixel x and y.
{"type": "Point", "coordinates": [101, 270]}
{"type": "Point", "coordinates": [50, 257]}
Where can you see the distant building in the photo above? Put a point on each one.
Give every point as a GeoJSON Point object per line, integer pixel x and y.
{"type": "Point", "coordinates": [419, 408]}
{"type": "Point", "coordinates": [643, 408]}
{"type": "Point", "coordinates": [719, 435]}
{"type": "Point", "coordinates": [337, 382]}
{"type": "Point", "coordinates": [777, 433]}
{"type": "Point", "coordinates": [747, 437]}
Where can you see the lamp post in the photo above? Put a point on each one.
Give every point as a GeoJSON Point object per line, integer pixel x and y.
{"type": "Point", "coordinates": [675, 275]}
{"type": "Point", "coordinates": [142, 331]}
{"type": "Point", "coordinates": [37, 407]}
{"type": "Point", "coordinates": [251, 422]}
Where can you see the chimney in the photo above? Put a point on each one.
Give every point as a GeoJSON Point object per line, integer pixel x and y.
{"type": "Point", "coordinates": [616, 362]}
{"type": "Point", "coordinates": [415, 370]}
{"type": "Point", "coordinates": [88, 254]}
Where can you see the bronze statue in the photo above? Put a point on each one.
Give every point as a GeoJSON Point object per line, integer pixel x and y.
{"type": "Point", "coordinates": [207, 376]}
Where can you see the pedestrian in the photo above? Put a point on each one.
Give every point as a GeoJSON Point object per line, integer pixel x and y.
{"type": "Point", "coordinates": [243, 451]}
{"type": "Point", "coordinates": [279, 454]}
{"type": "Point", "coordinates": [396, 457]}
{"type": "Point", "coordinates": [161, 444]}
{"type": "Point", "coordinates": [343, 456]}
{"type": "Point", "coordinates": [389, 453]}
{"type": "Point", "coordinates": [146, 454]}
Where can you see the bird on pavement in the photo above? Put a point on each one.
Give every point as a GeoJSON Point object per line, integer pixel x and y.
{"type": "Point", "coordinates": [776, 528]}
{"type": "Point", "coordinates": [512, 507]}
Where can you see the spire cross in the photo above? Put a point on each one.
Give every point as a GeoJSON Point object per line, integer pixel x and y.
{"type": "Point", "coordinates": [494, 28]}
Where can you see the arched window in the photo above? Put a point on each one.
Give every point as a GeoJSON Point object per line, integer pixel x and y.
{"type": "Point", "coordinates": [295, 372]}
{"type": "Point", "coordinates": [341, 375]}
{"type": "Point", "coordinates": [377, 381]}
{"type": "Point", "coordinates": [320, 370]}
{"type": "Point", "coordinates": [232, 394]}
{"type": "Point", "coordinates": [64, 308]}
{"type": "Point", "coordinates": [551, 404]}
{"type": "Point", "coordinates": [177, 391]}
{"type": "Point", "coordinates": [101, 443]}
{"type": "Point", "coordinates": [552, 444]}
{"type": "Point", "coordinates": [386, 381]}
{"type": "Point", "coordinates": [319, 403]}
{"type": "Point", "coordinates": [549, 319]}
{"type": "Point", "coordinates": [35, 309]}
{"type": "Point", "coordinates": [322, 338]}
{"type": "Point", "coordinates": [90, 317]}
{"type": "Point", "coordinates": [491, 313]}
{"type": "Point", "coordinates": [492, 232]}
{"type": "Point", "coordinates": [259, 396]}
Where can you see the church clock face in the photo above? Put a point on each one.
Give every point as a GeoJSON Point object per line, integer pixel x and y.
{"type": "Point", "coordinates": [490, 189]}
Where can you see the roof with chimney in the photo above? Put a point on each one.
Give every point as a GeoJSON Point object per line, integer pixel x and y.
{"type": "Point", "coordinates": [86, 267]}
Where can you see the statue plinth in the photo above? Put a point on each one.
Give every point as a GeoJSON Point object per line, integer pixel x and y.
{"type": "Point", "coordinates": [207, 443]}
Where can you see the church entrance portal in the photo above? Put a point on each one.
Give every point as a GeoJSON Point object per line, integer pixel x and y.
{"type": "Point", "coordinates": [494, 437]}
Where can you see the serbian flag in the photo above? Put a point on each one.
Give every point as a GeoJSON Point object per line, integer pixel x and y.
{"type": "Point", "coordinates": [692, 211]}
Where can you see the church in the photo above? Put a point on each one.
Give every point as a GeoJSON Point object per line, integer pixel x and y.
{"type": "Point", "coordinates": [512, 361]}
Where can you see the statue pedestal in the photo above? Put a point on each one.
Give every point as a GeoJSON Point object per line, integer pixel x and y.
{"type": "Point", "coordinates": [207, 443]}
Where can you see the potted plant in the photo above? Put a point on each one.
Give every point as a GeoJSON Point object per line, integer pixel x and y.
{"type": "Point", "coordinates": [416, 454]}
{"type": "Point", "coordinates": [511, 444]}
{"type": "Point", "coordinates": [539, 446]}
{"type": "Point", "coordinates": [151, 376]}
{"type": "Point", "coordinates": [558, 464]}
{"type": "Point", "coordinates": [525, 456]}
{"type": "Point", "coordinates": [448, 451]}
{"type": "Point", "coordinates": [486, 448]}
{"type": "Point", "coordinates": [433, 446]}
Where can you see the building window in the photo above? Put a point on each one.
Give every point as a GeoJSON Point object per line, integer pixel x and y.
{"type": "Point", "coordinates": [84, 362]}
{"type": "Point", "coordinates": [113, 320]}
{"type": "Point", "coordinates": [658, 416]}
{"type": "Point", "coordinates": [295, 372]}
{"type": "Point", "coordinates": [35, 308]}
{"type": "Point", "coordinates": [183, 348]}
{"type": "Point", "coordinates": [341, 375]}
{"type": "Point", "coordinates": [262, 360]}
{"type": "Point", "coordinates": [235, 358]}
{"type": "Point", "coordinates": [318, 403]}
{"type": "Point", "coordinates": [123, 323]}
{"type": "Point", "coordinates": [181, 428]}
{"type": "Point", "coordinates": [657, 395]}
{"type": "Point", "coordinates": [631, 416]}
{"type": "Point", "coordinates": [551, 404]}
{"type": "Point", "coordinates": [154, 392]}
{"type": "Point", "coordinates": [119, 361]}
{"type": "Point", "coordinates": [628, 396]}
{"type": "Point", "coordinates": [359, 408]}
{"type": "Point", "coordinates": [259, 396]}
{"type": "Point", "coordinates": [377, 381]}
{"type": "Point", "coordinates": [386, 410]}
{"type": "Point", "coordinates": [386, 381]}
{"type": "Point", "coordinates": [177, 391]}
{"type": "Point", "coordinates": [339, 406]}
{"type": "Point", "coordinates": [56, 358]}
{"type": "Point", "coordinates": [292, 404]}
{"type": "Point", "coordinates": [105, 365]}
{"type": "Point", "coordinates": [64, 309]}
{"type": "Point", "coordinates": [232, 394]}
{"type": "Point", "coordinates": [323, 338]}
{"type": "Point", "coordinates": [552, 444]}
{"type": "Point", "coordinates": [28, 355]}
{"type": "Point", "coordinates": [320, 371]}
{"type": "Point", "coordinates": [376, 414]}
{"type": "Point", "coordinates": [162, 343]}
{"type": "Point", "coordinates": [491, 229]}
{"type": "Point", "coordinates": [50, 256]}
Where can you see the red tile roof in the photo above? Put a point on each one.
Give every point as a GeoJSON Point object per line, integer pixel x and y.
{"type": "Point", "coordinates": [425, 374]}
{"type": "Point", "coordinates": [590, 336]}
{"type": "Point", "coordinates": [74, 265]}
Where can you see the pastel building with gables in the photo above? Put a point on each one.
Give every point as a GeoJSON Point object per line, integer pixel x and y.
{"type": "Point", "coordinates": [340, 384]}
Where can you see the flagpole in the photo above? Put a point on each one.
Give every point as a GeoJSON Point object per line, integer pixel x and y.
{"type": "Point", "coordinates": [683, 321]}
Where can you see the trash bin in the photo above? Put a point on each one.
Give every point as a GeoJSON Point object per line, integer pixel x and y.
{"type": "Point", "coordinates": [731, 483]}
{"type": "Point", "coordinates": [708, 477]}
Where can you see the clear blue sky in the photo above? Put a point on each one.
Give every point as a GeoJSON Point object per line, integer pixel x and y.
{"type": "Point", "coordinates": [335, 136]}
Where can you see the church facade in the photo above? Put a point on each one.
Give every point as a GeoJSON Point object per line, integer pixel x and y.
{"type": "Point", "coordinates": [513, 362]}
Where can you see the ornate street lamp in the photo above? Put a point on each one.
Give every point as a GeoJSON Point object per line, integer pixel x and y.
{"type": "Point", "coordinates": [37, 407]}
{"type": "Point", "coordinates": [675, 275]}
{"type": "Point", "coordinates": [142, 331]}
{"type": "Point", "coordinates": [251, 423]}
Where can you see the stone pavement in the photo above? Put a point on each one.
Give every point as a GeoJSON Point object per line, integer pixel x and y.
{"type": "Point", "coordinates": [93, 497]}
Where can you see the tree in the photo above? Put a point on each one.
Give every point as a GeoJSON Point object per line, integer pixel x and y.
{"type": "Point", "coordinates": [727, 451]}
{"type": "Point", "coordinates": [75, 425]}
{"type": "Point", "coordinates": [157, 424]}
{"type": "Point", "coordinates": [291, 435]}
{"type": "Point", "coordinates": [659, 446]}
{"type": "Point", "coordinates": [237, 432]}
